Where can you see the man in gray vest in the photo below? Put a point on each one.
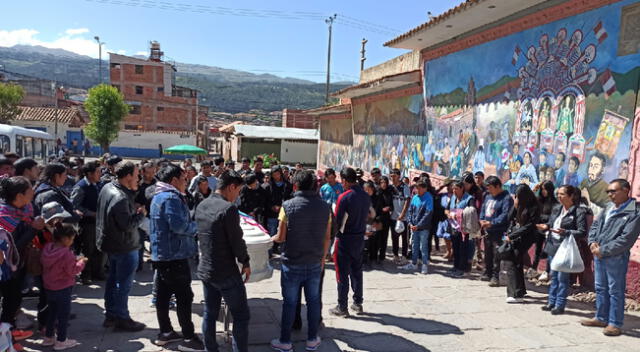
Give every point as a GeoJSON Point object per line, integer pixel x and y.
{"type": "Point", "coordinates": [305, 231]}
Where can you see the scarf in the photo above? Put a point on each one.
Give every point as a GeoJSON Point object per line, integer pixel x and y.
{"type": "Point", "coordinates": [11, 216]}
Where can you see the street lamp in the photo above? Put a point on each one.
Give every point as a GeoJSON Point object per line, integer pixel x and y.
{"type": "Point", "coordinates": [99, 56]}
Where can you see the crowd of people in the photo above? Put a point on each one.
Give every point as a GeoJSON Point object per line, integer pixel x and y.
{"type": "Point", "coordinates": [71, 219]}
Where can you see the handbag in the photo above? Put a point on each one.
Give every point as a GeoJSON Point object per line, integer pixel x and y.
{"type": "Point", "coordinates": [567, 258]}
{"type": "Point", "coordinates": [32, 260]}
{"type": "Point", "coordinates": [505, 251]}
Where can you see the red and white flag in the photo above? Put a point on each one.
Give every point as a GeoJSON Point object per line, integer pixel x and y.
{"type": "Point", "coordinates": [601, 33]}
{"type": "Point", "coordinates": [516, 54]}
{"type": "Point", "coordinates": [608, 83]}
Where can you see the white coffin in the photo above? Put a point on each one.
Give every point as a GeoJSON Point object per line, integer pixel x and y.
{"type": "Point", "coordinates": [258, 245]}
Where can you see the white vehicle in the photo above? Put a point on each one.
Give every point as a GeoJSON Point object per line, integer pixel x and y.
{"type": "Point", "coordinates": [25, 141]}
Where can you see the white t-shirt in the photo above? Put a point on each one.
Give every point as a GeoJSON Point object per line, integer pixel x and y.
{"type": "Point", "coordinates": [557, 223]}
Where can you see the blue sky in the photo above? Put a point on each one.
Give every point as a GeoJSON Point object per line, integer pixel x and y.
{"type": "Point", "coordinates": [286, 38]}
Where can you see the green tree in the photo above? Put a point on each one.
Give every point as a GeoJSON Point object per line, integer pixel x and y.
{"type": "Point", "coordinates": [10, 96]}
{"type": "Point", "coordinates": [106, 107]}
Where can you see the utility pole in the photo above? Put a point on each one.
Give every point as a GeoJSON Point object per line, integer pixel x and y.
{"type": "Point", "coordinates": [362, 57]}
{"type": "Point", "coordinates": [99, 56]}
{"type": "Point", "coordinates": [329, 21]}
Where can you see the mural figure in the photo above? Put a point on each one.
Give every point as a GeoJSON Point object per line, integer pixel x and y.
{"type": "Point", "coordinates": [594, 188]}
{"type": "Point", "coordinates": [526, 120]}
{"type": "Point", "coordinates": [566, 115]}
{"type": "Point", "coordinates": [572, 177]}
{"type": "Point", "coordinates": [544, 120]}
{"type": "Point", "coordinates": [623, 169]}
{"type": "Point", "coordinates": [527, 170]}
{"type": "Point", "coordinates": [560, 169]}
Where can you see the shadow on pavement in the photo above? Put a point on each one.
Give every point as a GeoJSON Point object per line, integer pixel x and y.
{"type": "Point", "coordinates": [415, 325]}
{"type": "Point", "coordinates": [374, 342]}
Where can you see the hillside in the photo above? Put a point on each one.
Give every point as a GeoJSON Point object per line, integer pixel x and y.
{"type": "Point", "coordinates": [221, 89]}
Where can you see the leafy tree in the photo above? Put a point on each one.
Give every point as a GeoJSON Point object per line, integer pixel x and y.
{"type": "Point", "coordinates": [10, 96]}
{"type": "Point", "coordinates": [106, 107]}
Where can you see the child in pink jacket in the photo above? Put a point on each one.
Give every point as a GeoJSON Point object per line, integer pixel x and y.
{"type": "Point", "coordinates": [59, 270]}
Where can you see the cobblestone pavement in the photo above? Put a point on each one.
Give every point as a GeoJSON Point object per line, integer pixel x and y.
{"type": "Point", "coordinates": [403, 312]}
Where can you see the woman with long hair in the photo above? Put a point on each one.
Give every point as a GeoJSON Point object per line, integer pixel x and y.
{"type": "Point", "coordinates": [384, 208]}
{"type": "Point", "coordinates": [568, 219]}
{"type": "Point", "coordinates": [548, 202]}
{"type": "Point", "coordinates": [49, 189]}
{"type": "Point", "coordinates": [522, 232]}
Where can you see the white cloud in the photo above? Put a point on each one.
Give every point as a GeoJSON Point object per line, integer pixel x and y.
{"type": "Point", "coordinates": [72, 40]}
{"type": "Point", "coordinates": [76, 31]}
{"type": "Point", "coordinates": [121, 52]}
{"type": "Point", "coordinates": [141, 53]}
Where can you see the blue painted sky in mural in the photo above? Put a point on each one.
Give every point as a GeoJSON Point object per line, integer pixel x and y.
{"type": "Point", "coordinates": [495, 57]}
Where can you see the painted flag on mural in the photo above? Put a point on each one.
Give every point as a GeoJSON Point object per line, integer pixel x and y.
{"type": "Point", "coordinates": [516, 54]}
{"type": "Point", "coordinates": [608, 83]}
{"type": "Point", "coordinates": [601, 33]}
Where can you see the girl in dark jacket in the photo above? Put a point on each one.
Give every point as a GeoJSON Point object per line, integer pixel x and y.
{"type": "Point", "coordinates": [252, 198]}
{"type": "Point", "coordinates": [384, 208]}
{"type": "Point", "coordinates": [567, 219]}
{"type": "Point", "coordinates": [49, 190]}
{"type": "Point", "coordinates": [522, 233]}
{"type": "Point", "coordinates": [548, 202]}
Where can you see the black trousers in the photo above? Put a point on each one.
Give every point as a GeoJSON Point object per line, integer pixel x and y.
{"type": "Point", "coordinates": [380, 239]}
{"type": "Point", "coordinates": [491, 263]}
{"type": "Point", "coordinates": [395, 239]}
{"type": "Point", "coordinates": [515, 275]}
{"type": "Point", "coordinates": [298, 318]}
{"type": "Point", "coordinates": [11, 291]}
{"type": "Point", "coordinates": [97, 260]}
{"type": "Point", "coordinates": [174, 278]}
{"type": "Point", "coordinates": [540, 237]}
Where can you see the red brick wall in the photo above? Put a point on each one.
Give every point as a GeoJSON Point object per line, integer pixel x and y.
{"type": "Point", "coordinates": [298, 119]}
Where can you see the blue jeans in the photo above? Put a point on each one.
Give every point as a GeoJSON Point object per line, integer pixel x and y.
{"type": "Point", "coordinates": [122, 269]}
{"type": "Point", "coordinates": [272, 226]}
{"type": "Point", "coordinates": [292, 278]}
{"type": "Point", "coordinates": [611, 281]}
{"type": "Point", "coordinates": [559, 288]}
{"type": "Point", "coordinates": [420, 244]}
{"type": "Point", "coordinates": [234, 293]}
{"type": "Point", "coordinates": [59, 306]}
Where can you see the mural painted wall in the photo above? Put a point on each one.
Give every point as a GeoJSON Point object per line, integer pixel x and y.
{"type": "Point", "coordinates": [386, 134]}
{"type": "Point", "coordinates": [552, 103]}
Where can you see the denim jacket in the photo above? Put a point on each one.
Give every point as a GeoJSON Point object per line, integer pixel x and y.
{"type": "Point", "coordinates": [173, 233]}
{"type": "Point", "coordinates": [617, 234]}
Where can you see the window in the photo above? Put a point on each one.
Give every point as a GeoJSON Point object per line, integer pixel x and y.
{"type": "Point", "coordinates": [160, 89]}
{"type": "Point", "coordinates": [19, 145]}
{"type": "Point", "coordinates": [160, 108]}
{"type": "Point", "coordinates": [130, 127]}
{"type": "Point", "coordinates": [5, 143]}
{"type": "Point", "coordinates": [139, 90]}
{"type": "Point", "coordinates": [135, 110]}
{"type": "Point", "coordinates": [116, 66]}
{"type": "Point", "coordinates": [139, 69]}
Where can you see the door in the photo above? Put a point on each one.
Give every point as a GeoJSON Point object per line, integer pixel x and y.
{"type": "Point", "coordinates": [75, 147]}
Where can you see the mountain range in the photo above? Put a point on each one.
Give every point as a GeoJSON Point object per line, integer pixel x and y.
{"type": "Point", "coordinates": [221, 89]}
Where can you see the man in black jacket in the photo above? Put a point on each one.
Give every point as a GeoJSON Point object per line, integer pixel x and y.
{"type": "Point", "coordinates": [277, 190]}
{"type": "Point", "coordinates": [117, 224]}
{"type": "Point", "coordinates": [221, 244]}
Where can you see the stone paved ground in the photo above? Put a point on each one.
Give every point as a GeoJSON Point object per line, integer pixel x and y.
{"type": "Point", "coordinates": [404, 313]}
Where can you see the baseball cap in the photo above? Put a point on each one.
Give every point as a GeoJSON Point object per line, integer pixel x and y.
{"type": "Point", "coordinates": [113, 159]}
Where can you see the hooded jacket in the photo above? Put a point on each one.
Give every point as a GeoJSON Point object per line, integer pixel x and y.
{"type": "Point", "coordinates": [172, 232]}
{"type": "Point", "coordinates": [59, 267]}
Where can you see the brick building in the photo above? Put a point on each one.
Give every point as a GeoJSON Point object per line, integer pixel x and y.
{"type": "Point", "coordinates": [149, 87]}
{"type": "Point", "coordinates": [298, 119]}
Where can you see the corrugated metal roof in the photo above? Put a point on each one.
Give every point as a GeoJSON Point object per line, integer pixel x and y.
{"type": "Point", "coordinates": [275, 132]}
{"type": "Point", "coordinates": [48, 114]}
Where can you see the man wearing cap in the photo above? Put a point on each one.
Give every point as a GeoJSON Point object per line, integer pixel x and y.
{"type": "Point", "coordinates": [360, 175]}
{"type": "Point", "coordinates": [85, 199]}
{"type": "Point", "coordinates": [109, 173]}
{"type": "Point", "coordinates": [117, 235]}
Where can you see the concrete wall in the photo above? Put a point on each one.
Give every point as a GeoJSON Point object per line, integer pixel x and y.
{"type": "Point", "coordinates": [403, 63]}
{"type": "Point", "coordinates": [304, 152]}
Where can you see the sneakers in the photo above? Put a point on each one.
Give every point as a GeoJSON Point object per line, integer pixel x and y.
{"type": "Point", "coordinates": [611, 330]}
{"type": "Point", "coordinates": [129, 325]}
{"type": "Point", "coordinates": [494, 282]}
{"type": "Point", "coordinates": [457, 273]}
{"type": "Point", "coordinates": [66, 344]}
{"type": "Point", "coordinates": [19, 335]}
{"type": "Point", "coordinates": [544, 276]}
{"type": "Point", "coordinates": [557, 311]}
{"type": "Point", "coordinates": [339, 312]}
{"type": "Point", "coordinates": [424, 270]}
{"type": "Point", "coordinates": [313, 345]}
{"type": "Point", "coordinates": [593, 323]}
{"type": "Point", "coordinates": [48, 341]}
{"type": "Point", "coordinates": [512, 300]}
{"type": "Point", "coordinates": [357, 308]}
{"type": "Point", "coordinates": [18, 347]}
{"type": "Point", "coordinates": [281, 347]}
{"type": "Point", "coordinates": [165, 338]}
{"type": "Point", "coordinates": [193, 344]}
{"type": "Point", "coordinates": [409, 266]}
{"type": "Point", "coordinates": [23, 322]}
{"type": "Point", "coordinates": [547, 307]}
